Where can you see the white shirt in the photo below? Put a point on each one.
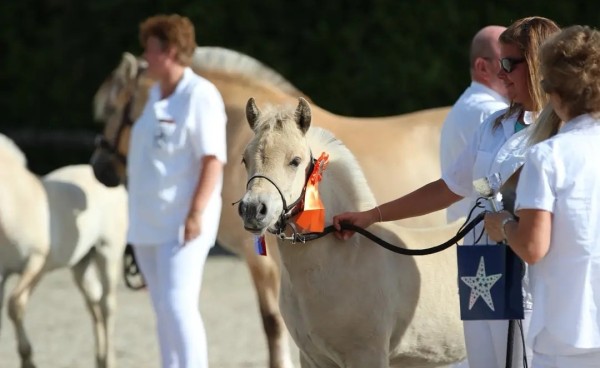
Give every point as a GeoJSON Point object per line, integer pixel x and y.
{"type": "Point", "coordinates": [167, 145]}
{"type": "Point", "coordinates": [562, 176]}
{"type": "Point", "coordinates": [475, 104]}
{"type": "Point", "coordinates": [491, 151]}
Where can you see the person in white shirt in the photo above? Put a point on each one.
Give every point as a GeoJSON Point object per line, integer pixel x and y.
{"type": "Point", "coordinates": [497, 146]}
{"type": "Point", "coordinates": [558, 204]}
{"type": "Point", "coordinates": [485, 95]}
{"type": "Point", "coordinates": [175, 172]}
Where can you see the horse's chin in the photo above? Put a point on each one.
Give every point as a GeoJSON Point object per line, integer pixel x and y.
{"type": "Point", "coordinates": [259, 231]}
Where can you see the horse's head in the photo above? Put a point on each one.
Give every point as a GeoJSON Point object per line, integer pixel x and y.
{"type": "Point", "coordinates": [117, 103]}
{"type": "Point", "coordinates": [278, 160]}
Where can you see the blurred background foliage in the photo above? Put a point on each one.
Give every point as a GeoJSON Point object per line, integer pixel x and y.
{"type": "Point", "coordinates": [352, 57]}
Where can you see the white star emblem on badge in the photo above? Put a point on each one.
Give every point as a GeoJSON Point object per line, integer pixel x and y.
{"type": "Point", "coordinates": [480, 285]}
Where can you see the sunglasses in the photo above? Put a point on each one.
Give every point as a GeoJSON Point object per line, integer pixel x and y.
{"type": "Point", "coordinates": [508, 64]}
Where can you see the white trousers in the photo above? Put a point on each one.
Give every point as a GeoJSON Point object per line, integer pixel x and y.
{"type": "Point", "coordinates": [486, 344]}
{"type": "Point", "coordinates": [591, 360]}
{"type": "Point", "coordinates": [173, 274]}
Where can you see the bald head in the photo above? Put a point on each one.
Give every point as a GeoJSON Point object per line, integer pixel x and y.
{"type": "Point", "coordinates": [485, 43]}
{"type": "Point", "coordinates": [484, 55]}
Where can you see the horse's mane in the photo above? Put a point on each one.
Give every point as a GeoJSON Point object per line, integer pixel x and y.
{"type": "Point", "coordinates": [7, 146]}
{"type": "Point", "coordinates": [230, 61]}
{"type": "Point", "coordinates": [343, 166]}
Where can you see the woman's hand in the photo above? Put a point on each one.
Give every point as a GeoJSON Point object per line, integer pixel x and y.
{"type": "Point", "coordinates": [494, 222]}
{"type": "Point", "coordinates": [192, 226]}
{"type": "Point", "coordinates": [361, 219]}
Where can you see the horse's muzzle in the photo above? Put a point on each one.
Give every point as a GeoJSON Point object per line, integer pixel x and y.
{"type": "Point", "coordinates": [105, 171]}
{"type": "Point", "coordinates": [254, 214]}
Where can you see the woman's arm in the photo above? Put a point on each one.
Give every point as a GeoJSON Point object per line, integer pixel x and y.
{"type": "Point", "coordinates": [529, 238]}
{"type": "Point", "coordinates": [212, 170]}
{"type": "Point", "coordinates": [429, 198]}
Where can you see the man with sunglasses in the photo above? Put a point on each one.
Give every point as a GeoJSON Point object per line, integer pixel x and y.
{"type": "Point", "coordinates": [485, 95]}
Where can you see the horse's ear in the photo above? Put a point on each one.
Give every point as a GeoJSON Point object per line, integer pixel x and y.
{"type": "Point", "coordinates": [252, 112]}
{"type": "Point", "coordinates": [303, 115]}
{"type": "Point", "coordinates": [128, 67]}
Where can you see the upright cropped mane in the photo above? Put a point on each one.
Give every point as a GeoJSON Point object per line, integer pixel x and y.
{"type": "Point", "coordinates": [230, 61]}
{"type": "Point", "coordinates": [343, 166]}
{"type": "Point", "coordinates": [8, 147]}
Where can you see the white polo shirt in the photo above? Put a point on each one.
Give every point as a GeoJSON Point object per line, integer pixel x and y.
{"type": "Point", "coordinates": [167, 145]}
{"type": "Point", "coordinates": [474, 106]}
{"type": "Point", "coordinates": [491, 150]}
{"type": "Point", "coordinates": [562, 176]}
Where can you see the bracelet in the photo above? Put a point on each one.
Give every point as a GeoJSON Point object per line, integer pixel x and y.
{"type": "Point", "coordinates": [379, 211]}
{"type": "Point", "coordinates": [503, 225]}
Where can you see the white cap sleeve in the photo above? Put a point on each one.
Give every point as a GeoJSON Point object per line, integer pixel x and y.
{"type": "Point", "coordinates": [537, 183]}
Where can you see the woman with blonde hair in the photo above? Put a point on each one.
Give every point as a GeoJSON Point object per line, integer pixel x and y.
{"type": "Point", "coordinates": [558, 204]}
{"type": "Point", "coordinates": [497, 147]}
{"type": "Point", "coordinates": [174, 170]}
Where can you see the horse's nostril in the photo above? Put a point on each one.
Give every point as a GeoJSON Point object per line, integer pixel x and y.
{"type": "Point", "coordinates": [242, 208]}
{"type": "Point", "coordinates": [262, 210]}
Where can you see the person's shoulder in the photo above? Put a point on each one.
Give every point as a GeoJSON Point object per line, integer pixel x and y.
{"type": "Point", "coordinates": [495, 116]}
{"type": "Point", "coordinates": [202, 87]}
{"type": "Point", "coordinates": [542, 150]}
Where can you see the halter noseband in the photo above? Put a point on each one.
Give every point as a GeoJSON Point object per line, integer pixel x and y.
{"type": "Point", "coordinates": [295, 207]}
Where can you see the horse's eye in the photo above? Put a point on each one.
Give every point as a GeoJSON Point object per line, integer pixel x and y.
{"type": "Point", "coordinates": [296, 161]}
{"type": "Point", "coordinates": [243, 161]}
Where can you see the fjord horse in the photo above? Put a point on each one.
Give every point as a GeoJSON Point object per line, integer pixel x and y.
{"type": "Point", "coordinates": [66, 219]}
{"type": "Point", "coordinates": [346, 304]}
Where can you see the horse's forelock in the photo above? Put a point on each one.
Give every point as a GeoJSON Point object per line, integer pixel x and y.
{"type": "Point", "coordinates": [274, 118]}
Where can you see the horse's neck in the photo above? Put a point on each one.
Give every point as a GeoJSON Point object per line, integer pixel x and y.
{"type": "Point", "coordinates": [344, 186]}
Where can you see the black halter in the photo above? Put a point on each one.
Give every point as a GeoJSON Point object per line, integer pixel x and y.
{"type": "Point", "coordinates": [295, 207]}
{"type": "Point", "coordinates": [103, 143]}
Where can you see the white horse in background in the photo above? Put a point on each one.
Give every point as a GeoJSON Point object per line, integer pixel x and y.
{"type": "Point", "coordinates": [65, 219]}
{"type": "Point", "coordinates": [348, 303]}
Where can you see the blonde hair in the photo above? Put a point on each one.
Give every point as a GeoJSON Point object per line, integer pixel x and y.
{"type": "Point", "coordinates": [570, 63]}
{"type": "Point", "coordinates": [547, 125]}
{"type": "Point", "coordinates": [528, 34]}
{"type": "Point", "coordinates": [172, 31]}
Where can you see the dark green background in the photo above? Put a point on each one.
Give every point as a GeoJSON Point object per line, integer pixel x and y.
{"type": "Point", "coordinates": [363, 58]}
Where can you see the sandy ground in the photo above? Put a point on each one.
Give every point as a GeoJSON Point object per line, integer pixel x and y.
{"type": "Point", "coordinates": [61, 334]}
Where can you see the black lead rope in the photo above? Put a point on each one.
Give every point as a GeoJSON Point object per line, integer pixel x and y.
{"type": "Point", "coordinates": [302, 238]}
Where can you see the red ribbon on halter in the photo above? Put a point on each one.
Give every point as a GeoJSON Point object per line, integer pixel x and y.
{"type": "Point", "coordinates": [312, 217]}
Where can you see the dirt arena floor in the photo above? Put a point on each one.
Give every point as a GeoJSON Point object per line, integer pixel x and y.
{"type": "Point", "coordinates": [60, 327]}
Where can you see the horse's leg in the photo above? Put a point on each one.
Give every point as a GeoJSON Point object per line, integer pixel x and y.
{"type": "Point", "coordinates": [266, 277]}
{"type": "Point", "coordinates": [108, 262]}
{"type": "Point", "coordinates": [87, 279]}
{"type": "Point", "coordinates": [17, 302]}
